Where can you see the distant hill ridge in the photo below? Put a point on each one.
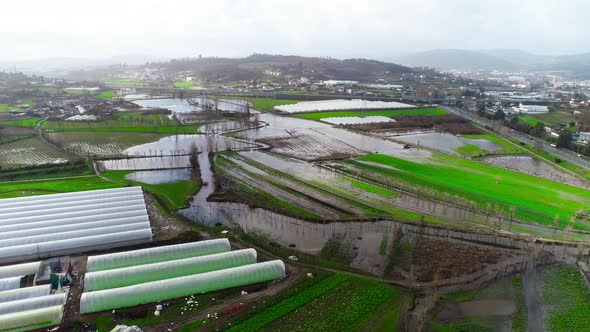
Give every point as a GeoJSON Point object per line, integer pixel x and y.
{"type": "Point", "coordinates": [499, 59]}
{"type": "Point", "coordinates": [254, 66]}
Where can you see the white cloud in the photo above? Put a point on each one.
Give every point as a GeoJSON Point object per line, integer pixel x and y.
{"type": "Point", "coordinates": [345, 28]}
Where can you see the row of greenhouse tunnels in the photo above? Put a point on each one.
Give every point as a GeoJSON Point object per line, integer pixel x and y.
{"type": "Point", "coordinates": [65, 257]}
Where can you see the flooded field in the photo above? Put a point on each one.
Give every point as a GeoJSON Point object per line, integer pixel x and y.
{"type": "Point", "coordinates": [99, 144]}
{"type": "Point", "coordinates": [539, 299]}
{"type": "Point", "coordinates": [175, 105]}
{"type": "Point", "coordinates": [129, 164]}
{"type": "Point", "coordinates": [440, 141]}
{"type": "Point", "coordinates": [445, 142]}
{"type": "Point", "coordinates": [159, 177]}
{"type": "Point", "coordinates": [181, 144]}
{"type": "Point", "coordinates": [306, 237]}
{"type": "Point", "coordinates": [198, 104]}
{"type": "Point", "coordinates": [28, 152]}
{"type": "Point", "coordinates": [532, 166]}
{"type": "Point", "coordinates": [226, 105]}
{"type": "Point", "coordinates": [482, 143]}
{"type": "Point", "coordinates": [223, 127]}
{"type": "Point", "coordinates": [286, 127]}
{"type": "Point", "coordinates": [312, 145]}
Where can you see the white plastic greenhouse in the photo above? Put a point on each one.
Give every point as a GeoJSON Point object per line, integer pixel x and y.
{"type": "Point", "coordinates": [339, 105]}
{"type": "Point", "coordinates": [24, 293]}
{"type": "Point", "coordinates": [33, 303]}
{"type": "Point", "coordinates": [165, 270]}
{"type": "Point", "coordinates": [10, 283]}
{"type": "Point", "coordinates": [18, 270]}
{"type": "Point", "coordinates": [49, 225]}
{"type": "Point", "coordinates": [32, 319]}
{"type": "Point", "coordinates": [156, 255]}
{"type": "Point", "coordinates": [182, 286]}
{"type": "Point", "coordinates": [74, 245]}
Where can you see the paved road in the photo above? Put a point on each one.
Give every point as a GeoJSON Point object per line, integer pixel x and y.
{"type": "Point", "coordinates": [564, 154]}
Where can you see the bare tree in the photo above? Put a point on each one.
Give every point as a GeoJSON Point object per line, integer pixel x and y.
{"type": "Point", "coordinates": [193, 156]}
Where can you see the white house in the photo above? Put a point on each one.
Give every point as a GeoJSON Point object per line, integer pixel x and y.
{"type": "Point", "coordinates": [530, 109]}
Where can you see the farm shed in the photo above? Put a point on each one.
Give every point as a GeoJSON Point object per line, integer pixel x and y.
{"type": "Point", "coordinates": [165, 270]}
{"type": "Point", "coordinates": [181, 286]}
{"type": "Point", "coordinates": [156, 255]}
{"type": "Point", "coordinates": [52, 225]}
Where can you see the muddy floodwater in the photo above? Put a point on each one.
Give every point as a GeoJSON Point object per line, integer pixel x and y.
{"type": "Point", "coordinates": [175, 105]}
{"type": "Point", "coordinates": [144, 163]}
{"type": "Point", "coordinates": [181, 144]}
{"type": "Point", "coordinates": [198, 104]}
{"type": "Point", "coordinates": [161, 176]}
{"type": "Point", "coordinates": [446, 142]}
{"type": "Point", "coordinates": [439, 141]}
{"type": "Point", "coordinates": [304, 236]}
{"type": "Point", "coordinates": [532, 166]}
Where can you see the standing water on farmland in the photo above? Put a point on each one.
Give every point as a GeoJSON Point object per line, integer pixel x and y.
{"type": "Point", "coordinates": [159, 177]}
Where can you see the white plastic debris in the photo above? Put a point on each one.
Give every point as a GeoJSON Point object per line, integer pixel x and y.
{"type": "Point", "coordinates": [125, 328]}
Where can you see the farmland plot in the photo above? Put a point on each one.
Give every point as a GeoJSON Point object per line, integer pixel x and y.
{"type": "Point", "coordinates": [30, 152]}
{"type": "Point", "coordinates": [312, 145]}
{"type": "Point", "coordinates": [337, 303]}
{"type": "Point", "coordinates": [529, 165]}
{"type": "Point", "coordinates": [99, 144]}
{"type": "Point", "coordinates": [129, 164]}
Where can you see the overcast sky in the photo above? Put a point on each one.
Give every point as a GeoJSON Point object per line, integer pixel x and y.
{"type": "Point", "coordinates": [344, 28]}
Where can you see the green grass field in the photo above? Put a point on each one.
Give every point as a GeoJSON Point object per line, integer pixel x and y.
{"type": "Point", "coordinates": [47, 171]}
{"type": "Point", "coordinates": [184, 85]}
{"type": "Point", "coordinates": [20, 189]}
{"type": "Point", "coordinates": [337, 303]}
{"type": "Point", "coordinates": [528, 120]}
{"type": "Point", "coordinates": [470, 150]}
{"type": "Point", "coordinates": [12, 138]}
{"type": "Point", "coordinates": [106, 95]}
{"type": "Point", "coordinates": [125, 121]}
{"type": "Point", "coordinates": [387, 113]}
{"type": "Point", "coordinates": [268, 104]}
{"type": "Point", "coordinates": [21, 123]}
{"type": "Point", "coordinates": [175, 195]}
{"type": "Point", "coordinates": [369, 187]}
{"type": "Point", "coordinates": [27, 102]}
{"type": "Point", "coordinates": [6, 108]}
{"type": "Point", "coordinates": [535, 199]}
{"type": "Point", "coordinates": [555, 118]}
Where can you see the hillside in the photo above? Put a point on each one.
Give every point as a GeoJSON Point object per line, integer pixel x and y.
{"type": "Point", "coordinates": [254, 66]}
{"type": "Point", "coordinates": [454, 59]}
{"type": "Point", "coordinates": [498, 59]}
